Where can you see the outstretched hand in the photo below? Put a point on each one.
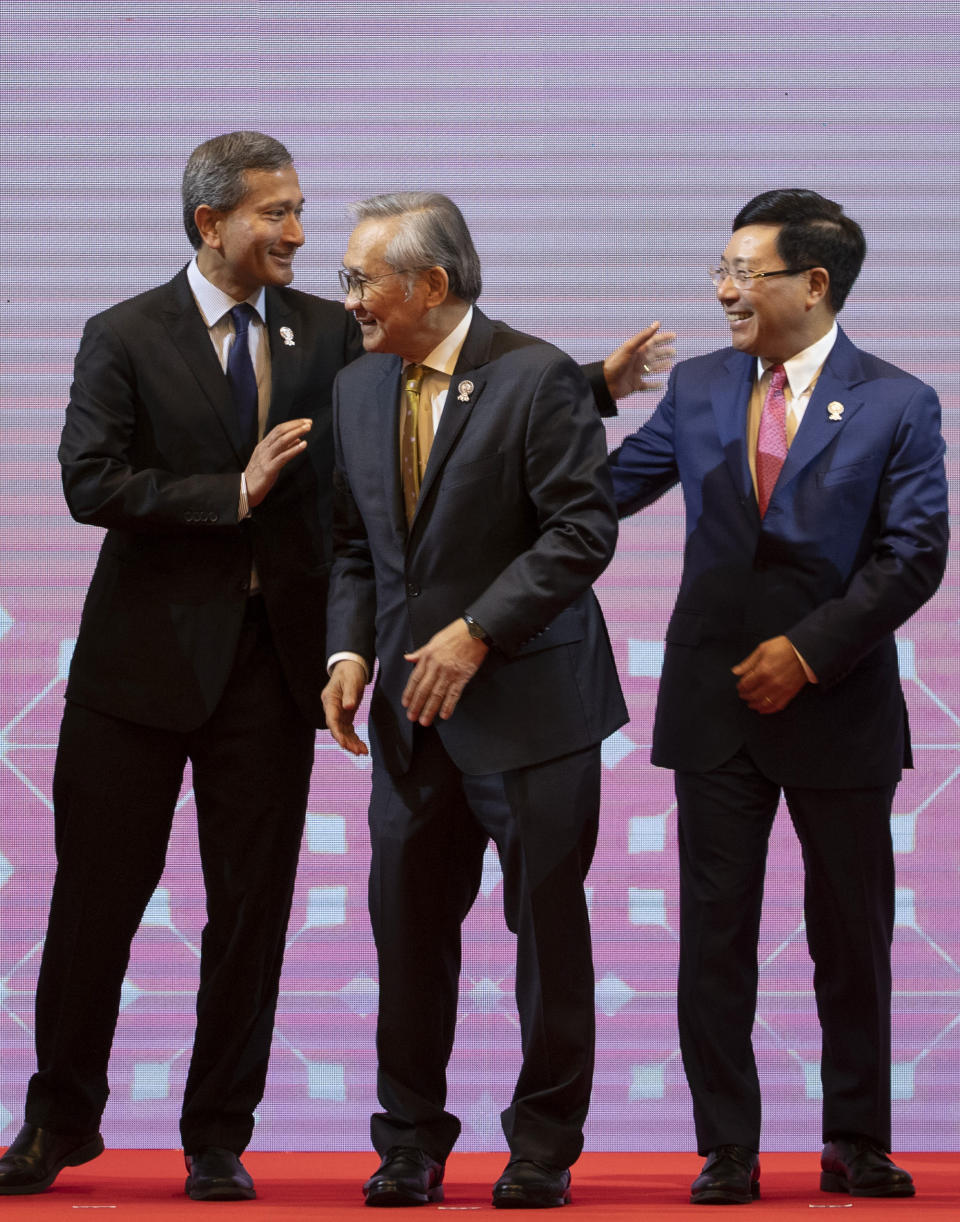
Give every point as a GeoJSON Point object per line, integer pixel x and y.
{"type": "Point", "coordinates": [283, 442]}
{"type": "Point", "coordinates": [633, 366]}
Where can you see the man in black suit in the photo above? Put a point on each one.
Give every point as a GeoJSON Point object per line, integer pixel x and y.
{"type": "Point", "coordinates": [201, 639]}
{"type": "Point", "coordinates": [199, 435]}
{"type": "Point", "coordinates": [463, 567]}
{"type": "Point", "coordinates": [816, 500]}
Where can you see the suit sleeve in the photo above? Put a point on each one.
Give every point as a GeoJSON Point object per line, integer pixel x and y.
{"type": "Point", "coordinates": [107, 479]}
{"type": "Point", "coordinates": [908, 555]}
{"type": "Point", "coordinates": [576, 527]}
{"type": "Point", "coordinates": [644, 466]}
{"type": "Point", "coordinates": [352, 599]}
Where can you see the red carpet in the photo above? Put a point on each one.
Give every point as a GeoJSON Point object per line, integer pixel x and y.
{"type": "Point", "coordinates": [140, 1185]}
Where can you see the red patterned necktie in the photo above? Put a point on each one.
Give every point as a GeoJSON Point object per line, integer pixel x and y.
{"type": "Point", "coordinates": [772, 437]}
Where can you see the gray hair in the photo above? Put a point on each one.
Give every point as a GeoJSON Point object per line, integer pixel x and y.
{"type": "Point", "coordinates": [434, 235]}
{"type": "Point", "coordinates": [215, 173]}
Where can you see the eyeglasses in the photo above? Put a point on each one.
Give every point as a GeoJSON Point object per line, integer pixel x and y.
{"type": "Point", "coordinates": [356, 284]}
{"type": "Point", "coordinates": [742, 278]}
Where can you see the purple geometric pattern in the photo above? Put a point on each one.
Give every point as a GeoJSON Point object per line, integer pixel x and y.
{"type": "Point", "coordinates": [599, 152]}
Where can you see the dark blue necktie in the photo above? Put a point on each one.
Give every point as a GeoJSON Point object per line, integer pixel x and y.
{"type": "Point", "coordinates": [240, 375]}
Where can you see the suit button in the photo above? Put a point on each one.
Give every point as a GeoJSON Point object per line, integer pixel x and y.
{"type": "Point", "coordinates": [413, 589]}
{"type": "Point", "coordinates": [244, 586]}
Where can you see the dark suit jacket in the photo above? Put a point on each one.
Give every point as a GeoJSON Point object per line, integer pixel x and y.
{"type": "Point", "coordinates": [515, 522]}
{"type": "Point", "coordinates": [150, 450]}
{"type": "Point", "coordinates": [853, 542]}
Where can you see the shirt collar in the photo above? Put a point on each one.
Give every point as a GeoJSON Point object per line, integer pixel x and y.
{"type": "Point", "coordinates": [444, 357]}
{"type": "Point", "coordinates": [802, 368]}
{"type": "Point", "coordinates": [213, 303]}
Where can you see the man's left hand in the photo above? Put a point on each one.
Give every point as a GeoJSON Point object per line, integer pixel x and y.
{"type": "Point", "coordinates": [633, 365]}
{"type": "Point", "coordinates": [771, 676]}
{"type": "Point", "coordinates": [443, 668]}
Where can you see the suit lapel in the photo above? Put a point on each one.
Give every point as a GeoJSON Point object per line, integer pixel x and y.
{"type": "Point", "coordinates": [832, 405]}
{"type": "Point", "coordinates": [287, 337]}
{"type": "Point", "coordinates": [730, 397]}
{"type": "Point", "coordinates": [189, 334]}
{"type": "Point", "coordinates": [466, 387]}
{"type": "Point", "coordinates": [385, 435]}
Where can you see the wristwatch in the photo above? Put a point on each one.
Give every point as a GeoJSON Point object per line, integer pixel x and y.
{"type": "Point", "coordinates": [477, 632]}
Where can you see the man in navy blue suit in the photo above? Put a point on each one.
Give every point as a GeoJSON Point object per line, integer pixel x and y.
{"type": "Point", "coordinates": [816, 506]}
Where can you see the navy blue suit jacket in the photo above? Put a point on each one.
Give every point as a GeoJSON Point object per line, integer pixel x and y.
{"type": "Point", "coordinates": [853, 542]}
{"type": "Point", "coordinates": [515, 522]}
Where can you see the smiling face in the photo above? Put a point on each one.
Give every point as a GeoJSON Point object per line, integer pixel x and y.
{"type": "Point", "coordinates": [253, 244]}
{"type": "Point", "coordinates": [774, 318]}
{"type": "Point", "coordinates": [393, 313]}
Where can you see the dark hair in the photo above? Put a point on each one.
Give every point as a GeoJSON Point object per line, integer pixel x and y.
{"type": "Point", "coordinates": [215, 173]}
{"type": "Point", "coordinates": [815, 232]}
{"type": "Point", "coordinates": [434, 235]}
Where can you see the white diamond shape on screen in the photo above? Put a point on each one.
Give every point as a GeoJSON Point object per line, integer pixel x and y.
{"type": "Point", "coordinates": [905, 914]}
{"type": "Point", "coordinates": [616, 748]}
{"type": "Point", "coordinates": [811, 1079]}
{"type": "Point", "coordinates": [326, 1080]}
{"type": "Point", "coordinates": [158, 910]}
{"type": "Point", "coordinates": [151, 1080]}
{"type": "Point", "coordinates": [63, 658]}
{"type": "Point", "coordinates": [326, 906]}
{"type": "Point", "coordinates": [646, 833]}
{"type": "Point", "coordinates": [486, 995]}
{"type": "Point", "coordinates": [903, 829]}
{"type": "Point", "coordinates": [6, 869]}
{"type": "Point", "coordinates": [902, 1080]}
{"type": "Point", "coordinates": [492, 874]}
{"type": "Point", "coordinates": [646, 907]}
{"type": "Point", "coordinates": [646, 1083]}
{"type": "Point", "coordinates": [907, 659]}
{"type": "Point", "coordinates": [611, 994]}
{"type": "Point", "coordinates": [6, 621]}
{"type": "Point", "coordinates": [128, 994]}
{"type": "Point", "coordinates": [326, 833]}
{"type": "Point", "coordinates": [360, 995]}
{"type": "Point", "coordinates": [644, 659]}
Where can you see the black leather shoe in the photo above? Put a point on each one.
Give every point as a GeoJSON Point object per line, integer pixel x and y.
{"type": "Point", "coordinates": [730, 1176]}
{"type": "Point", "coordinates": [214, 1174]}
{"type": "Point", "coordinates": [530, 1185]}
{"type": "Point", "coordinates": [36, 1157]}
{"type": "Point", "coordinates": [860, 1167]}
{"type": "Point", "coordinates": [406, 1176]}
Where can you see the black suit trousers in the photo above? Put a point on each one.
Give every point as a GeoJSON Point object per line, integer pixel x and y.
{"type": "Point", "coordinates": [116, 785]}
{"type": "Point", "coordinates": [724, 822]}
{"type": "Point", "coordinates": [429, 830]}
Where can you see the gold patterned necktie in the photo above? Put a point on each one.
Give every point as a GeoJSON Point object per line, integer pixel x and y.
{"type": "Point", "coordinates": [416, 436]}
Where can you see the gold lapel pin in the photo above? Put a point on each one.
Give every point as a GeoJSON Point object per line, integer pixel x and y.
{"type": "Point", "coordinates": [286, 334]}
{"type": "Point", "coordinates": [464, 391]}
{"type": "Point", "coordinates": [835, 410]}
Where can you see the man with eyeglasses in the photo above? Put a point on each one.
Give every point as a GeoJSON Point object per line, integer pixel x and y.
{"type": "Point", "coordinates": [815, 495]}
{"type": "Point", "coordinates": [472, 513]}
{"type": "Point", "coordinates": [198, 435]}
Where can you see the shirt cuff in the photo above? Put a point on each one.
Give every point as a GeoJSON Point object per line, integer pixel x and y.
{"type": "Point", "coordinates": [811, 677]}
{"type": "Point", "coordinates": [243, 506]}
{"type": "Point", "coordinates": [346, 656]}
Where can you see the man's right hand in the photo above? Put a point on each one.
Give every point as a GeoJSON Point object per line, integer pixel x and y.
{"type": "Point", "coordinates": [341, 699]}
{"type": "Point", "coordinates": [272, 455]}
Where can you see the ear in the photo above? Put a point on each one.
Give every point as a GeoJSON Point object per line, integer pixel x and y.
{"type": "Point", "coordinates": [438, 286]}
{"type": "Point", "coordinates": [819, 286]}
{"type": "Point", "coordinates": [207, 221]}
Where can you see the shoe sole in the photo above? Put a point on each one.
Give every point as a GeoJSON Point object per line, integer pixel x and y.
{"type": "Point", "coordinates": [831, 1182]}
{"type": "Point", "coordinates": [76, 1158]}
{"type": "Point", "coordinates": [520, 1199]}
{"type": "Point", "coordinates": [387, 1197]}
{"type": "Point", "coordinates": [716, 1196]}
